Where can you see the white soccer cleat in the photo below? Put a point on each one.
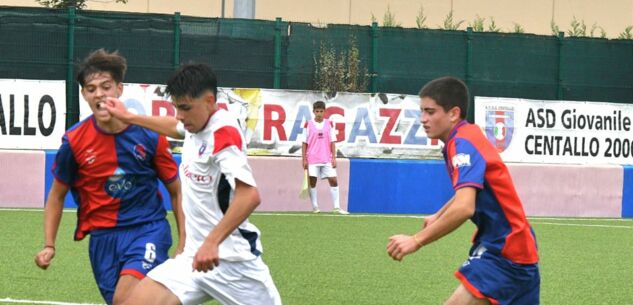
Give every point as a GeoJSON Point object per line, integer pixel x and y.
{"type": "Point", "coordinates": [340, 211]}
{"type": "Point", "coordinates": [316, 211]}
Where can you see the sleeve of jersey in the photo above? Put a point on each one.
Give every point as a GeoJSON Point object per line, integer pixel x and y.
{"type": "Point", "coordinates": [230, 157]}
{"type": "Point", "coordinates": [469, 166]}
{"type": "Point", "coordinates": [65, 166]}
{"type": "Point", "coordinates": [164, 162]}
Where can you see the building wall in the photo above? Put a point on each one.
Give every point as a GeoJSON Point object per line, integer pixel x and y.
{"type": "Point", "coordinates": [534, 16]}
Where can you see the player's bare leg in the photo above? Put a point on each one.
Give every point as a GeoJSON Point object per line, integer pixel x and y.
{"type": "Point", "coordinates": [152, 292]}
{"type": "Point", "coordinates": [333, 181]}
{"type": "Point", "coordinates": [124, 288]}
{"type": "Point", "coordinates": [462, 296]}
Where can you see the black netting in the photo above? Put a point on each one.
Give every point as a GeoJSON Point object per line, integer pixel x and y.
{"type": "Point", "coordinates": [241, 52]}
{"type": "Point", "coordinates": [408, 58]}
{"type": "Point", "coordinates": [598, 70]}
{"type": "Point", "coordinates": [513, 65]}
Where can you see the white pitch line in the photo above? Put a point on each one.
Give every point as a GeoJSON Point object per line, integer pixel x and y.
{"type": "Point", "coordinates": [13, 301]}
{"type": "Point", "coordinates": [329, 214]}
{"type": "Point", "coordinates": [533, 219]}
{"type": "Point", "coordinates": [580, 225]}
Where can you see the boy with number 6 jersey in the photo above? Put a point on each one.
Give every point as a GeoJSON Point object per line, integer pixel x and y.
{"type": "Point", "coordinates": [112, 169]}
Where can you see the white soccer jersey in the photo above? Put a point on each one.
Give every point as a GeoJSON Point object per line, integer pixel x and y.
{"type": "Point", "coordinates": [211, 161]}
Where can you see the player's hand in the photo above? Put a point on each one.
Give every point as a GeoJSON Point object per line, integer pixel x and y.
{"type": "Point", "coordinates": [333, 162]}
{"type": "Point", "coordinates": [305, 164]}
{"type": "Point", "coordinates": [206, 258]}
{"type": "Point", "coordinates": [44, 257]}
{"type": "Point", "coordinates": [117, 109]}
{"type": "Point", "coordinates": [401, 245]}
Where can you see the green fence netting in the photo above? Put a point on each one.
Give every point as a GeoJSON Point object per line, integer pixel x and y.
{"type": "Point", "coordinates": [38, 43]}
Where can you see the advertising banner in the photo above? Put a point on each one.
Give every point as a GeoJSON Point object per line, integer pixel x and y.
{"type": "Point", "coordinates": [366, 125]}
{"type": "Point", "coordinates": [32, 113]}
{"type": "Point", "coordinates": [563, 132]}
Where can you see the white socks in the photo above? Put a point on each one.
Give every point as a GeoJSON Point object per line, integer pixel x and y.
{"type": "Point", "coordinates": [333, 192]}
{"type": "Point", "coordinates": [335, 200]}
{"type": "Point", "coordinates": [313, 198]}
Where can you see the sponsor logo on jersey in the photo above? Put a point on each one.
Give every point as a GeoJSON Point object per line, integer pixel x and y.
{"type": "Point", "coordinates": [199, 179]}
{"type": "Point", "coordinates": [461, 160]}
{"type": "Point", "coordinates": [119, 183]}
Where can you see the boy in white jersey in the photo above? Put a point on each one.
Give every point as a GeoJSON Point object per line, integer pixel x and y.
{"type": "Point", "coordinates": [319, 156]}
{"type": "Point", "coordinates": [221, 259]}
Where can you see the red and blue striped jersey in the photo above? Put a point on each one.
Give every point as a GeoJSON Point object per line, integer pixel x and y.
{"type": "Point", "coordinates": [502, 227]}
{"type": "Point", "coordinates": [113, 177]}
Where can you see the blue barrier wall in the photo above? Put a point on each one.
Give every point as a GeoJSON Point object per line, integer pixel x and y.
{"type": "Point", "coordinates": [398, 186]}
{"type": "Point", "coordinates": [422, 187]}
{"type": "Point", "coordinates": [627, 191]}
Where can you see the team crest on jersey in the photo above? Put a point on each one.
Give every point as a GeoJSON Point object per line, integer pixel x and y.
{"type": "Point", "coordinates": [461, 160]}
{"type": "Point", "coordinates": [500, 127]}
{"type": "Point", "coordinates": [139, 152]}
{"type": "Point", "coordinates": [202, 149]}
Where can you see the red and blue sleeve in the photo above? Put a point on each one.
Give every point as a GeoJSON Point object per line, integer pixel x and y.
{"type": "Point", "coordinates": [468, 165]}
{"type": "Point", "coordinates": [164, 163]}
{"type": "Point", "coordinates": [65, 166]}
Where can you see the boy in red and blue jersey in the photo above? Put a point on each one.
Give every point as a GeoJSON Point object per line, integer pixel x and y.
{"type": "Point", "coordinates": [112, 170]}
{"type": "Point", "coordinates": [503, 263]}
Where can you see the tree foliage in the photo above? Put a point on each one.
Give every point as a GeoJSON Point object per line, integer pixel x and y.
{"type": "Point", "coordinates": [450, 23]}
{"type": "Point", "coordinates": [340, 71]}
{"type": "Point", "coordinates": [78, 4]}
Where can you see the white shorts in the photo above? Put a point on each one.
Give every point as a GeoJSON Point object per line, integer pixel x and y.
{"type": "Point", "coordinates": [321, 170]}
{"type": "Point", "coordinates": [234, 283]}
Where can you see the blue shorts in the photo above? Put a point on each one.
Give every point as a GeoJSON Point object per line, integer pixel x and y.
{"type": "Point", "coordinates": [127, 251]}
{"type": "Point", "coordinates": [501, 281]}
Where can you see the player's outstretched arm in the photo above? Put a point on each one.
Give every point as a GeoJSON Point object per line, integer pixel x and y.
{"type": "Point", "coordinates": [461, 208]}
{"type": "Point", "coordinates": [165, 125]}
{"type": "Point", "coordinates": [52, 218]}
{"type": "Point", "coordinates": [245, 200]}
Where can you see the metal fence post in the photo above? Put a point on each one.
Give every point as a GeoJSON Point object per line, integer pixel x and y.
{"type": "Point", "coordinates": [559, 80]}
{"type": "Point", "coordinates": [277, 55]}
{"type": "Point", "coordinates": [470, 116]}
{"type": "Point", "coordinates": [72, 107]}
{"type": "Point", "coordinates": [374, 58]}
{"type": "Point", "coordinates": [176, 40]}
